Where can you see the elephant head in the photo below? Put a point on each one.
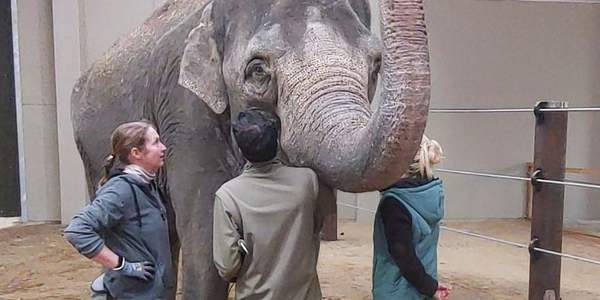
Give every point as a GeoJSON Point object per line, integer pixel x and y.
{"type": "Point", "coordinates": [316, 64]}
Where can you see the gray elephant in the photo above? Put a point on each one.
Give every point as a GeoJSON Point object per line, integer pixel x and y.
{"type": "Point", "coordinates": [194, 64]}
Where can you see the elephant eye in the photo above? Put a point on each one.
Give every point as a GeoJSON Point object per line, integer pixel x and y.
{"type": "Point", "coordinates": [257, 70]}
{"type": "Point", "coordinates": [257, 77]}
{"type": "Point", "coordinates": [376, 66]}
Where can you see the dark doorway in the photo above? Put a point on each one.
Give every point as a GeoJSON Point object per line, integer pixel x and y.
{"type": "Point", "coordinates": [10, 203]}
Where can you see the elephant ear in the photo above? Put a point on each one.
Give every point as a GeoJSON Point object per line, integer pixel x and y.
{"type": "Point", "coordinates": [201, 64]}
{"type": "Point", "coordinates": [362, 10]}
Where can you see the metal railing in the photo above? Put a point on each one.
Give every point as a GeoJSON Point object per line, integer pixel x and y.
{"type": "Point", "coordinates": [541, 180]}
{"type": "Point", "coordinates": [493, 239]}
{"type": "Point", "coordinates": [512, 110]}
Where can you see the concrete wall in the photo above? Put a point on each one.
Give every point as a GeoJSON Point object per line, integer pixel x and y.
{"type": "Point", "coordinates": [55, 42]}
{"type": "Point", "coordinates": [512, 54]}
{"type": "Point", "coordinates": [508, 54]}
{"type": "Point", "coordinates": [483, 54]}
{"type": "Point", "coordinates": [35, 61]}
{"type": "Point", "coordinates": [83, 31]}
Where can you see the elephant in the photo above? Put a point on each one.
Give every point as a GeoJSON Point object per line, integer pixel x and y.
{"type": "Point", "coordinates": [193, 65]}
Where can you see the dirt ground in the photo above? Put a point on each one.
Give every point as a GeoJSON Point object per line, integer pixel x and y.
{"type": "Point", "coordinates": [36, 263]}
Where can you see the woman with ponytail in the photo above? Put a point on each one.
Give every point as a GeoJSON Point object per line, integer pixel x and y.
{"type": "Point", "coordinates": [109, 162]}
{"type": "Point", "coordinates": [406, 232]}
{"type": "Point", "coordinates": [125, 228]}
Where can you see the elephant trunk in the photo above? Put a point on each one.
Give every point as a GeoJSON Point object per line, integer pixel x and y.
{"type": "Point", "coordinates": [333, 130]}
{"type": "Point", "coordinates": [398, 124]}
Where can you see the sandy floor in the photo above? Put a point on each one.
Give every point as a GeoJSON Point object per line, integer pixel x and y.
{"type": "Point", "coordinates": [35, 263]}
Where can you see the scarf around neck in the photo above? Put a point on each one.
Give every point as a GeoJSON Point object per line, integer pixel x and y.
{"type": "Point", "coordinates": [139, 172]}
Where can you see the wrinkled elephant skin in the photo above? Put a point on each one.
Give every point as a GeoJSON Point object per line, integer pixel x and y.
{"type": "Point", "coordinates": [194, 64]}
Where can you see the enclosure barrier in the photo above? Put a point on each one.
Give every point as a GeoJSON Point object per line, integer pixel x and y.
{"type": "Point", "coordinates": [548, 195]}
{"type": "Point", "coordinates": [512, 110]}
{"type": "Point", "coordinates": [493, 239]}
{"type": "Point", "coordinates": [530, 179]}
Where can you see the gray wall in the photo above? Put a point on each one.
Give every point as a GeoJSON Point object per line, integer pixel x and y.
{"type": "Point", "coordinates": [55, 42]}
{"type": "Point", "coordinates": [83, 31]}
{"type": "Point", "coordinates": [508, 54]}
{"type": "Point", "coordinates": [483, 54]}
{"type": "Point", "coordinates": [512, 54]}
{"type": "Point", "coordinates": [35, 92]}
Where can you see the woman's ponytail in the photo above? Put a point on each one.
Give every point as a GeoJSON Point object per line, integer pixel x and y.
{"type": "Point", "coordinates": [109, 162]}
{"type": "Point", "coordinates": [430, 154]}
{"type": "Point", "coordinates": [435, 152]}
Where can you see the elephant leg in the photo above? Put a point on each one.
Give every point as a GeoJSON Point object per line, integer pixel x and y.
{"type": "Point", "coordinates": [199, 162]}
{"type": "Point", "coordinates": [193, 203]}
{"type": "Point", "coordinates": [173, 237]}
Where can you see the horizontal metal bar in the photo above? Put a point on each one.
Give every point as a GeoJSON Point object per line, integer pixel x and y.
{"type": "Point", "coordinates": [489, 238]}
{"type": "Point", "coordinates": [565, 255]}
{"type": "Point", "coordinates": [571, 183]}
{"type": "Point", "coordinates": [479, 110]}
{"type": "Point", "coordinates": [566, 183]}
{"type": "Point", "coordinates": [571, 109]}
{"type": "Point", "coordinates": [497, 240]}
{"type": "Point", "coordinates": [511, 110]}
{"type": "Point", "coordinates": [485, 237]}
{"type": "Point", "coordinates": [484, 174]}
{"type": "Point", "coordinates": [356, 207]}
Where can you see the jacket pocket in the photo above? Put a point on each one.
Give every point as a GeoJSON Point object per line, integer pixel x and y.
{"type": "Point", "coordinates": [159, 285]}
{"type": "Point", "coordinates": [119, 285]}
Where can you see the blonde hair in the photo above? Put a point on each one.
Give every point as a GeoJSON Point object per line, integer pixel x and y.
{"type": "Point", "coordinates": [124, 138]}
{"type": "Point", "coordinates": [430, 154]}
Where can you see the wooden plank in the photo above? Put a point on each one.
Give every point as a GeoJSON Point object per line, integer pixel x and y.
{"type": "Point", "coordinates": [548, 202]}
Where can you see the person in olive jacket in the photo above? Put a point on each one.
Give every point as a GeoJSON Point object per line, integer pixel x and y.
{"type": "Point", "coordinates": [125, 228]}
{"type": "Point", "coordinates": [266, 220]}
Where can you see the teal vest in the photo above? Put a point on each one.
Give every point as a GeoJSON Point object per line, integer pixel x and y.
{"type": "Point", "coordinates": [426, 206]}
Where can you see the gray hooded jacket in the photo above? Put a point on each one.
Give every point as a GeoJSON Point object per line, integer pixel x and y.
{"type": "Point", "coordinates": [135, 232]}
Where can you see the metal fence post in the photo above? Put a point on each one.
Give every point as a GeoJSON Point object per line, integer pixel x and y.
{"type": "Point", "coordinates": [548, 201]}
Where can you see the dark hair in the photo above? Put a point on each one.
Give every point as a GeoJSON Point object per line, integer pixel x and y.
{"type": "Point", "coordinates": [256, 132]}
{"type": "Point", "coordinates": [124, 138]}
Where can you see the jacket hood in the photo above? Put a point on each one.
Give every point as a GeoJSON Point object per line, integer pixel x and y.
{"type": "Point", "coordinates": [426, 200]}
{"type": "Point", "coordinates": [116, 172]}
